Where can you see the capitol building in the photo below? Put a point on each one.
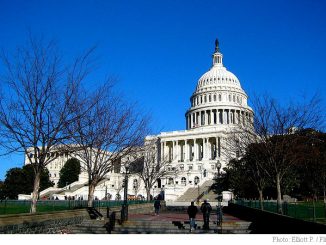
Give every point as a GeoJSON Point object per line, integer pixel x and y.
{"type": "Point", "coordinates": [194, 156]}
{"type": "Point", "coordinates": [218, 108]}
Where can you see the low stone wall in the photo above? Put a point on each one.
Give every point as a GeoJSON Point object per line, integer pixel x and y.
{"type": "Point", "coordinates": [136, 208]}
{"type": "Point", "coordinates": [41, 223]}
{"type": "Point", "coordinates": [55, 222]}
{"type": "Point", "coordinates": [264, 222]}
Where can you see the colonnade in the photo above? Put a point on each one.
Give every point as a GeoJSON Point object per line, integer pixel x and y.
{"type": "Point", "coordinates": [217, 116]}
{"type": "Point", "coordinates": [188, 150]}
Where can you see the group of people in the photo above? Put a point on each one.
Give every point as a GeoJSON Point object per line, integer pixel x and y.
{"type": "Point", "coordinates": [192, 211]}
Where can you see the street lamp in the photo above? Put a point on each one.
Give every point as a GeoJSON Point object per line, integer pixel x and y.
{"type": "Point", "coordinates": [124, 210]}
{"type": "Point", "coordinates": [218, 166]}
{"type": "Point", "coordinates": [196, 182]}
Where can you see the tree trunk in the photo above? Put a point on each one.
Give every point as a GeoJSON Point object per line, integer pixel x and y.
{"type": "Point", "coordinates": [91, 189]}
{"type": "Point", "coordinates": [35, 193]}
{"type": "Point", "coordinates": [148, 191]}
{"type": "Point", "coordinates": [279, 195]}
{"type": "Point", "coordinates": [261, 199]}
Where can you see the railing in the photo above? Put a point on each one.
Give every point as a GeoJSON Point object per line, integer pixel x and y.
{"type": "Point", "coordinates": [310, 211]}
{"type": "Point", "coordinates": [23, 206]}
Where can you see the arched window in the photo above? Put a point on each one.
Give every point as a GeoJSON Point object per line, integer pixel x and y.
{"type": "Point", "coordinates": [220, 97]}
{"type": "Point", "coordinates": [183, 181]}
{"type": "Point", "coordinates": [214, 97]}
{"type": "Point", "coordinates": [170, 181]}
{"type": "Point", "coordinates": [196, 180]}
{"type": "Point", "coordinates": [209, 98]}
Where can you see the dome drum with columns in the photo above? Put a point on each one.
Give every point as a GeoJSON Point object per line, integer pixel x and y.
{"type": "Point", "coordinates": [218, 98]}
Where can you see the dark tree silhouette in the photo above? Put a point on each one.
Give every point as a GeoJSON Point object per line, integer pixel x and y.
{"type": "Point", "coordinates": [69, 172]}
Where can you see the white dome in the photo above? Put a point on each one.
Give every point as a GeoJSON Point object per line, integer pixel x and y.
{"type": "Point", "coordinates": [218, 99]}
{"type": "Point", "coordinates": [218, 75]}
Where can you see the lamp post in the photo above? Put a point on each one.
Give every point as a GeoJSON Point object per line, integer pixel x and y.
{"type": "Point", "coordinates": [218, 166]}
{"type": "Point", "coordinates": [196, 182]}
{"type": "Point", "coordinates": [124, 210]}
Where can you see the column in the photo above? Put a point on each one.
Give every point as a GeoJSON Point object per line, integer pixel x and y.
{"type": "Point", "coordinates": [212, 117]}
{"type": "Point", "coordinates": [186, 149]}
{"type": "Point", "coordinates": [221, 116]}
{"type": "Point", "coordinates": [209, 149]}
{"type": "Point", "coordinates": [232, 116]}
{"type": "Point", "coordinates": [191, 150]}
{"type": "Point", "coordinates": [218, 147]}
{"type": "Point", "coordinates": [206, 118]}
{"type": "Point", "coordinates": [195, 150]}
{"type": "Point", "coordinates": [162, 151]}
{"type": "Point", "coordinates": [204, 148]}
{"type": "Point", "coordinates": [173, 151]}
{"type": "Point", "coordinates": [197, 118]}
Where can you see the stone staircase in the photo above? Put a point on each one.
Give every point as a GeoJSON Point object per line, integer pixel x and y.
{"type": "Point", "coordinates": [194, 192]}
{"type": "Point", "coordinates": [239, 227]}
{"type": "Point", "coordinates": [157, 227]}
{"type": "Point", "coordinates": [89, 226]}
{"type": "Point", "coordinates": [165, 223]}
{"type": "Point", "coordinates": [73, 187]}
{"type": "Point", "coordinates": [211, 196]}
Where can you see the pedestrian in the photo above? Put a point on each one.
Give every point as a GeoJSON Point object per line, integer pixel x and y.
{"type": "Point", "coordinates": [192, 211]}
{"type": "Point", "coordinates": [206, 209]}
{"type": "Point", "coordinates": [157, 206]}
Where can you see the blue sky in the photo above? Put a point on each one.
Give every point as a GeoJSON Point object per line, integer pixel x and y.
{"type": "Point", "coordinates": [157, 50]}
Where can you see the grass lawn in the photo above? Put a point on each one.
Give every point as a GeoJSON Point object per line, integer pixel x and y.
{"type": "Point", "coordinates": [300, 210]}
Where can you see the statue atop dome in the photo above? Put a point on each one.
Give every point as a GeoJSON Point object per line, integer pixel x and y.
{"type": "Point", "coordinates": [217, 49]}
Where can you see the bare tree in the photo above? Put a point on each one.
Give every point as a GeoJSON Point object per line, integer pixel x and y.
{"type": "Point", "coordinates": [154, 166]}
{"type": "Point", "coordinates": [111, 131]}
{"type": "Point", "coordinates": [270, 145]}
{"type": "Point", "coordinates": [36, 103]}
{"type": "Point", "coordinates": [275, 127]}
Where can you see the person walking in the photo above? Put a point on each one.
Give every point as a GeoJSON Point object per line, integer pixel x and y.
{"type": "Point", "coordinates": [206, 209]}
{"type": "Point", "coordinates": [157, 206]}
{"type": "Point", "coordinates": [192, 211]}
{"type": "Point", "coordinates": [219, 214]}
